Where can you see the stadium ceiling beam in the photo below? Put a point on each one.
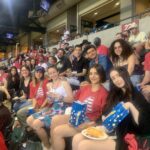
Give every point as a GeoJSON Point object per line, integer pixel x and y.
{"type": "Point", "coordinates": [34, 29]}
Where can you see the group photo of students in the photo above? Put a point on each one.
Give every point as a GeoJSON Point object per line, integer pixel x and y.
{"type": "Point", "coordinates": [45, 87]}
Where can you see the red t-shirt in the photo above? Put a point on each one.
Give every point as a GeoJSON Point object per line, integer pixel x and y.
{"type": "Point", "coordinates": [41, 96]}
{"type": "Point", "coordinates": [95, 101]}
{"type": "Point", "coordinates": [102, 50]}
{"type": "Point", "coordinates": [2, 142]}
{"type": "Point", "coordinates": [147, 62]}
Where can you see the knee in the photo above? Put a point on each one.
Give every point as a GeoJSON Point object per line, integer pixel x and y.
{"type": "Point", "coordinates": [30, 120]}
{"type": "Point", "coordinates": [83, 145]}
{"type": "Point", "coordinates": [76, 139]}
{"type": "Point", "coordinates": [37, 125]}
{"type": "Point", "coordinates": [57, 131]}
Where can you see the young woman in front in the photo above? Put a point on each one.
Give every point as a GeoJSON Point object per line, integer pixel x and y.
{"type": "Point", "coordinates": [24, 88]}
{"type": "Point", "coordinates": [59, 95]}
{"type": "Point", "coordinates": [137, 122]}
{"type": "Point", "coordinates": [37, 95]}
{"type": "Point", "coordinates": [94, 95]}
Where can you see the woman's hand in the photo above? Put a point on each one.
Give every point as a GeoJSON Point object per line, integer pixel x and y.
{"type": "Point", "coordinates": [55, 95]}
{"type": "Point", "coordinates": [127, 105]}
{"type": "Point", "coordinates": [146, 92]}
{"type": "Point", "coordinates": [146, 89]}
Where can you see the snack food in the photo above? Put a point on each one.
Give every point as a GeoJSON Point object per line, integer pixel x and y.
{"type": "Point", "coordinates": [95, 132]}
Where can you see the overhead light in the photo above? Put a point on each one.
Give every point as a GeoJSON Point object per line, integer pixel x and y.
{"type": "Point", "coordinates": [117, 4]}
{"type": "Point", "coordinates": [57, 31]}
{"type": "Point", "coordinates": [95, 13]}
{"type": "Point", "coordinates": [41, 38]}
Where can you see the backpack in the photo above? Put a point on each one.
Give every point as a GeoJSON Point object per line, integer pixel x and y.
{"type": "Point", "coordinates": [17, 137]}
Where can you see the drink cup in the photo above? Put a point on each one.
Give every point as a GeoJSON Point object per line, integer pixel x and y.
{"type": "Point", "coordinates": [31, 111]}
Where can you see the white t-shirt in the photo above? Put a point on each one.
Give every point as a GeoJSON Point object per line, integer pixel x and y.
{"type": "Point", "coordinates": [141, 37]}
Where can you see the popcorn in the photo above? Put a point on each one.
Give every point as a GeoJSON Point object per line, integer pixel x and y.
{"type": "Point", "coordinates": [115, 117]}
{"type": "Point", "coordinates": [78, 113]}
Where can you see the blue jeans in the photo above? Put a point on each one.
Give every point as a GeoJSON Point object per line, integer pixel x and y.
{"type": "Point", "coordinates": [21, 104]}
{"type": "Point", "coordinates": [136, 79]}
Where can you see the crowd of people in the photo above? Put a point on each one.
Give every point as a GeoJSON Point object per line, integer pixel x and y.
{"type": "Point", "coordinates": [101, 77]}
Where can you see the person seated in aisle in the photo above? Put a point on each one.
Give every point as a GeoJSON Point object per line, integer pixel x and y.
{"type": "Point", "coordinates": [21, 99]}
{"type": "Point", "coordinates": [122, 54]}
{"type": "Point", "coordinates": [59, 96]}
{"type": "Point", "coordinates": [79, 67]}
{"type": "Point", "coordinates": [37, 98]}
{"type": "Point", "coordinates": [4, 94]}
{"type": "Point", "coordinates": [94, 95]}
{"type": "Point", "coordinates": [137, 122]}
{"type": "Point", "coordinates": [63, 63]}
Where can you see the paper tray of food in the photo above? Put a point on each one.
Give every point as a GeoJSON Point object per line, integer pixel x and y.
{"type": "Point", "coordinates": [95, 133]}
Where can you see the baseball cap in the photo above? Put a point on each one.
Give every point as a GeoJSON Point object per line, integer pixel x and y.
{"type": "Point", "coordinates": [133, 25]}
{"type": "Point", "coordinates": [39, 69]}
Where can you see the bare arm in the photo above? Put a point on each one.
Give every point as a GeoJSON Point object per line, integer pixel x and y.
{"type": "Point", "coordinates": [34, 102]}
{"type": "Point", "coordinates": [131, 63]}
{"type": "Point", "coordinates": [133, 110]}
{"type": "Point", "coordinates": [69, 97]}
{"type": "Point", "coordinates": [5, 83]}
{"type": "Point", "coordinates": [83, 73]}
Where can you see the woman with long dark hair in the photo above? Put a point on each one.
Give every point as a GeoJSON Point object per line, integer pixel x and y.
{"type": "Point", "coordinates": [13, 82]}
{"type": "Point", "coordinates": [21, 99]}
{"type": "Point", "coordinates": [122, 54]}
{"type": "Point", "coordinates": [137, 122]}
{"type": "Point", "coordinates": [94, 95]}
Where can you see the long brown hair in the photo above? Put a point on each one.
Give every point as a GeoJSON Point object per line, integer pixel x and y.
{"type": "Point", "coordinates": [116, 94]}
